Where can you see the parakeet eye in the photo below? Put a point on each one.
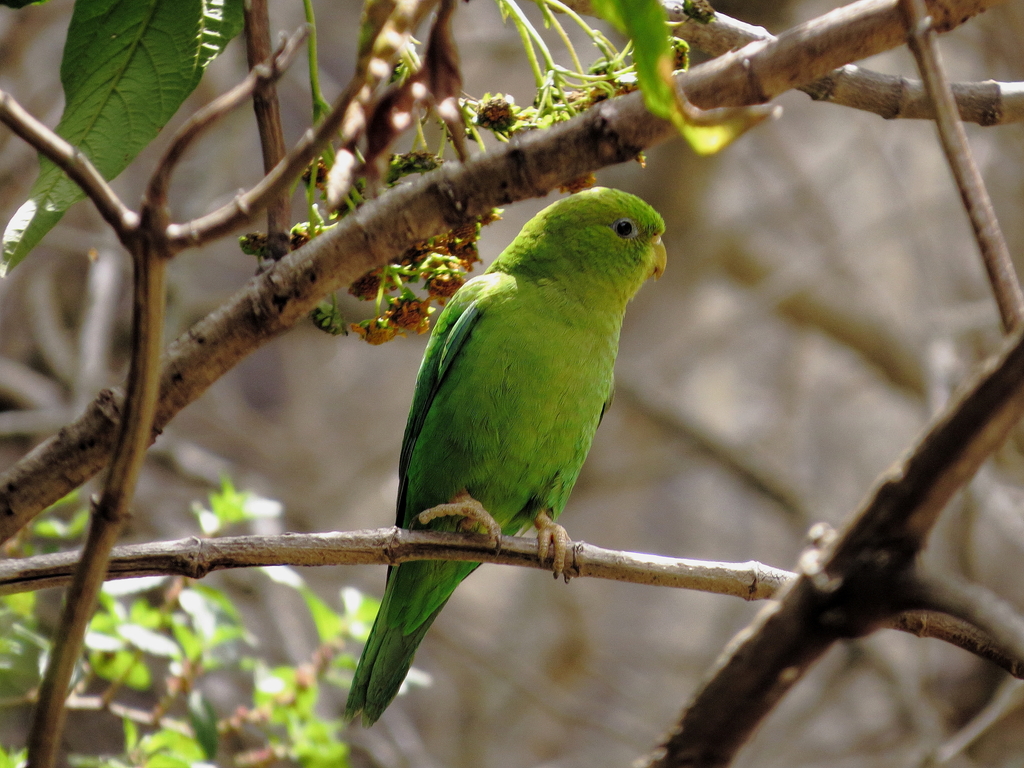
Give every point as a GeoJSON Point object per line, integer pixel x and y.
{"type": "Point", "coordinates": [625, 228]}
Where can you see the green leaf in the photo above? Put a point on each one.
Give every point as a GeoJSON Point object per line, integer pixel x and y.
{"type": "Point", "coordinates": [150, 642]}
{"type": "Point", "coordinates": [14, 758]}
{"type": "Point", "coordinates": [328, 623]}
{"type": "Point", "coordinates": [229, 506]}
{"type": "Point", "coordinates": [169, 749]}
{"type": "Point", "coordinates": [316, 745]}
{"type": "Point", "coordinates": [122, 666]}
{"type": "Point", "coordinates": [22, 604]}
{"type": "Point", "coordinates": [204, 722]}
{"type": "Point", "coordinates": [127, 67]}
{"type": "Point", "coordinates": [131, 735]}
{"type": "Point", "coordinates": [360, 610]}
{"type": "Point", "coordinates": [644, 21]}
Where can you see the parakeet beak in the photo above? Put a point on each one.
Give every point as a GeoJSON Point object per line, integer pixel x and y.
{"type": "Point", "coordinates": [660, 258]}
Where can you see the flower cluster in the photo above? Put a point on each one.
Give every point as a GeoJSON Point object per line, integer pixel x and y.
{"type": "Point", "coordinates": [439, 264]}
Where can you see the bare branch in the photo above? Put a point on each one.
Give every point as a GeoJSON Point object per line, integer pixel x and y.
{"type": "Point", "coordinates": [70, 160]}
{"type": "Point", "coordinates": [156, 191]}
{"type": "Point", "coordinates": [890, 96]}
{"type": "Point", "coordinates": [196, 558]}
{"type": "Point", "coordinates": [268, 122]}
{"type": "Point", "coordinates": [958, 632]}
{"type": "Point", "coordinates": [994, 253]}
{"type": "Point", "coordinates": [611, 132]}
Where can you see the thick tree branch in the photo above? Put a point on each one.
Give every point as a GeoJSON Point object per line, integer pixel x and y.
{"type": "Point", "coordinates": [196, 558]}
{"type": "Point", "coordinates": [889, 96]}
{"type": "Point", "coordinates": [611, 132]}
{"type": "Point", "coordinates": [852, 583]}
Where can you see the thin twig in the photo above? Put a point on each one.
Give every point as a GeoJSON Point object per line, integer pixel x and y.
{"type": "Point", "coordinates": [994, 253]}
{"type": "Point", "coordinates": [70, 160]}
{"type": "Point", "coordinates": [346, 110]}
{"type": "Point", "coordinates": [975, 605]}
{"type": "Point", "coordinates": [247, 205]}
{"type": "Point", "coordinates": [268, 72]}
{"type": "Point", "coordinates": [268, 121]}
{"type": "Point", "coordinates": [1006, 700]}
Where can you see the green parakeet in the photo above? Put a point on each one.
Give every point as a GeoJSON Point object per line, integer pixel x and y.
{"type": "Point", "coordinates": [514, 381]}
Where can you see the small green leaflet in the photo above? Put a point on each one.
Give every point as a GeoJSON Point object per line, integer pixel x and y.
{"type": "Point", "coordinates": [127, 67]}
{"type": "Point", "coordinates": [645, 23]}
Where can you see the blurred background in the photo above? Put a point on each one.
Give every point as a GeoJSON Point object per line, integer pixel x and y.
{"type": "Point", "coordinates": [823, 296]}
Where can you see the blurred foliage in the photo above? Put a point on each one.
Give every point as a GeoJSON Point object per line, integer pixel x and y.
{"type": "Point", "coordinates": [163, 637]}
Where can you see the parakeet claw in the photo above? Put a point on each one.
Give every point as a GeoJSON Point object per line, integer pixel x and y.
{"type": "Point", "coordinates": [472, 513]}
{"type": "Point", "coordinates": [551, 535]}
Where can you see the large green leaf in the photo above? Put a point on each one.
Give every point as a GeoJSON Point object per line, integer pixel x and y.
{"type": "Point", "coordinates": [127, 67]}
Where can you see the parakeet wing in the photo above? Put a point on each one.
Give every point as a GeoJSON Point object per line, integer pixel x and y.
{"type": "Point", "coordinates": [452, 329]}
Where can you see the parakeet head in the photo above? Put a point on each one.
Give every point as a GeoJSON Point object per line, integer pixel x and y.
{"type": "Point", "coordinates": [601, 239]}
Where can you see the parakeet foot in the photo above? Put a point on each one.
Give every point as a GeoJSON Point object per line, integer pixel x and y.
{"type": "Point", "coordinates": [472, 513]}
{"type": "Point", "coordinates": [551, 535]}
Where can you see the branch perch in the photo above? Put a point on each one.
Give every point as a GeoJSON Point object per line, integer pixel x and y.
{"type": "Point", "coordinates": [196, 558]}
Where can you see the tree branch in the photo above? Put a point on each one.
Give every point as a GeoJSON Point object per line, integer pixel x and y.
{"type": "Point", "coordinates": [976, 605]}
{"type": "Point", "coordinates": [268, 122]}
{"type": "Point", "coordinates": [70, 160]}
{"type": "Point", "coordinates": [347, 110]}
{"type": "Point", "coordinates": [849, 584]}
{"type": "Point", "coordinates": [196, 558]}
{"type": "Point", "coordinates": [259, 76]}
{"type": "Point", "coordinates": [890, 96]}
{"type": "Point", "coordinates": [994, 254]}
{"type": "Point", "coordinates": [149, 257]}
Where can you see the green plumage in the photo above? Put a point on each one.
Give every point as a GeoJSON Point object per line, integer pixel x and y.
{"type": "Point", "coordinates": [514, 381]}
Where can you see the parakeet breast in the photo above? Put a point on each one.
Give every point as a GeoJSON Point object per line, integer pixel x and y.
{"type": "Point", "coordinates": [520, 406]}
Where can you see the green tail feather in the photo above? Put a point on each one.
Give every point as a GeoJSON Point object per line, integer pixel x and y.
{"type": "Point", "coordinates": [415, 594]}
{"type": "Point", "coordinates": [382, 668]}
